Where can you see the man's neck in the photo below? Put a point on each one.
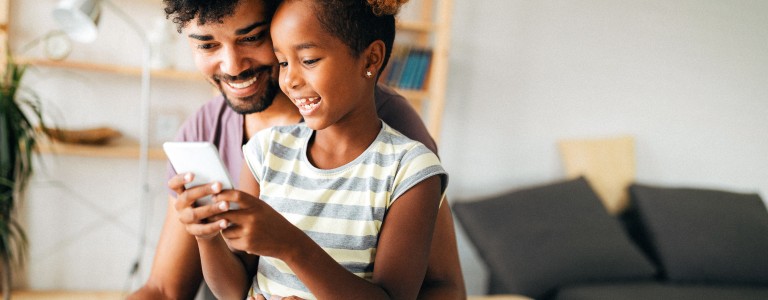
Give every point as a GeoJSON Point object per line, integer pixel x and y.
{"type": "Point", "coordinates": [281, 112]}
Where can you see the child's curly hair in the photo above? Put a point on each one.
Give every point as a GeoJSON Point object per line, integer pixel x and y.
{"type": "Point", "coordinates": [358, 23]}
{"type": "Point", "coordinates": [386, 7]}
{"type": "Point", "coordinates": [181, 12]}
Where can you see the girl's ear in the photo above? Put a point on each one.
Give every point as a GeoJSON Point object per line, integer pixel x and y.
{"type": "Point", "coordinates": [374, 58]}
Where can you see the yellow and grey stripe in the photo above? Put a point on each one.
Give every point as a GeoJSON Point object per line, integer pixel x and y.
{"type": "Point", "coordinates": [341, 209]}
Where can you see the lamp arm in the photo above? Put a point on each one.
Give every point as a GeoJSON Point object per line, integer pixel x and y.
{"type": "Point", "coordinates": [144, 126]}
{"type": "Point", "coordinates": [145, 91]}
{"type": "Point", "coordinates": [129, 20]}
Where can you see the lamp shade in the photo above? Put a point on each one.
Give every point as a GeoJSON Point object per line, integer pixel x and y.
{"type": "Point", "coordinates": [78, 18]}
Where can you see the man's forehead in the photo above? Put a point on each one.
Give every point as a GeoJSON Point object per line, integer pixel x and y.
{"type": "Point", "coordinates": [245, 16]}
{"type": "Point", "coordinates": [239, 28]}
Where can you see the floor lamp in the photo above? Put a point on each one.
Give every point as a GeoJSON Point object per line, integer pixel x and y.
{"type": "Point", "coordinates": [79, 19]}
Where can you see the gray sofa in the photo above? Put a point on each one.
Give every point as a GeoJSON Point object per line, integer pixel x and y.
{"type": "Point", "coordinates": [556, 241]}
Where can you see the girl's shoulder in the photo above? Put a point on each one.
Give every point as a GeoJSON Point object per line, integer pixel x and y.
{"type": "Point", "coordinates": [287, 135]}
{"type": "Point", "coordinates": [398, 141]}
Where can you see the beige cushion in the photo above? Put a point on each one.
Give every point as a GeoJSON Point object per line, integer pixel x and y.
{"type": "Point", "coordinates": [607, 163]}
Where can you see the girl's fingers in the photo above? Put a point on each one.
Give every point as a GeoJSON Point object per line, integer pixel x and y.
{"type": "Point", "coordinates": [191, 215]}
{"type": "Point", "coordinates": [176, 183]}
{"type": "Point", "coordinates": [207, 230]}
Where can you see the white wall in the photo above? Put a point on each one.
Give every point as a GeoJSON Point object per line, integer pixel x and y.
{"type": "Point", "coordinates": [688, 79]}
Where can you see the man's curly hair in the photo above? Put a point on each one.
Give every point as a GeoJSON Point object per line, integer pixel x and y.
{"type": "Point", "coordinates": [181, 12]}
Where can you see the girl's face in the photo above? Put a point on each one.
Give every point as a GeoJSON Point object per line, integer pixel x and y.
{"type": "Point", "coordinates": [317, 71]}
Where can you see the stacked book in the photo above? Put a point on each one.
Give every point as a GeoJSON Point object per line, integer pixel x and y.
{"type": "Point", "coordinates": [408, 67]}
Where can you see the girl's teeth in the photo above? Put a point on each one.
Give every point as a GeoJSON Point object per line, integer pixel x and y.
{"type": "Point", "coordinates": [305, 100]}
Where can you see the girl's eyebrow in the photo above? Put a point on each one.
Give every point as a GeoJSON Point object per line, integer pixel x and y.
{"type": "Point", "coordinates": [307, 45]}
{"type": "Point", "coordinates": [302, 46]}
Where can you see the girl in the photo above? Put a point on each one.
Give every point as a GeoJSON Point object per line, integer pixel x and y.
{"type": "Point", "coordinates": [347, 205]}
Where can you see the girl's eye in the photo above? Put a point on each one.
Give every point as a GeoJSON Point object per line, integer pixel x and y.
{"type": "Point", "coordinates": [311, 61]}
{"type": "Point", "coordinates": [282, 64]}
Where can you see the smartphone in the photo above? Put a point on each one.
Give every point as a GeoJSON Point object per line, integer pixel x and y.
{"type": "Point", "coordinates": [201, 159]}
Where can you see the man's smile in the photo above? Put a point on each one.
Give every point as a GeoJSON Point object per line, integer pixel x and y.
{"type": "Point", "coordinates": [244, 84]}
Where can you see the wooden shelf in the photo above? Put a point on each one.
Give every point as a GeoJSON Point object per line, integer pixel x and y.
{"type": "Point", "coordinates": [416, 26]}
{"type": "Point", "coordinates": [66, 295]}
{"type": "Point", "coordinates": [120, 148]}
{"type": "Point", "coordinates": [107, 68]}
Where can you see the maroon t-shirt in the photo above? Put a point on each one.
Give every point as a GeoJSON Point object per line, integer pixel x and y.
{"type": "Point", "coordinates": [217, 123]}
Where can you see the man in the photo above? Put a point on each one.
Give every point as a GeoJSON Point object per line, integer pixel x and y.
{"type": "Point", "coordinates": [232, 48]}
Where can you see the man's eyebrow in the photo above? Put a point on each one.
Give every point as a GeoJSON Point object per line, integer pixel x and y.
{"type": "Point", "coordinates": [249, 28]}
{"type": "Point", "coordinates": [241, 31]}
{"type": "Point", "coordinates": [201, 37]}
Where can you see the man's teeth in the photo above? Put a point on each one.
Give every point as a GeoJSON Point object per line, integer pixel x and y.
{"type": "Point", "coordinates": [242, 85]}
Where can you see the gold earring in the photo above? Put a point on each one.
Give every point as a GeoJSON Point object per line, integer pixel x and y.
{"type": "Point", "coordinates": [368, 74]}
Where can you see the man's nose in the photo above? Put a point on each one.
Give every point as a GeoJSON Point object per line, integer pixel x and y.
{"type": "Point", "coordinates": [233, 62]}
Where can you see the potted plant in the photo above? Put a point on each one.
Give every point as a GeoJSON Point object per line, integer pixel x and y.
{"type": "Point", "coordinates": [19, 109]}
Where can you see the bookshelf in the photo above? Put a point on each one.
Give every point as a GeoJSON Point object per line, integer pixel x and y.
{"type": "Point", "coordinates": [430, 29]}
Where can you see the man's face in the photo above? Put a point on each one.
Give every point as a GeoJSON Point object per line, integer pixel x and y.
{"type": "Point", "coordinates": [236, 57]}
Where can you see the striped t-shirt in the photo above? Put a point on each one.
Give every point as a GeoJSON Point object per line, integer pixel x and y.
{"type": "Point", "coordinates": [341, 209]}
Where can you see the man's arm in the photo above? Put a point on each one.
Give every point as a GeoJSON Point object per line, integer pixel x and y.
{"type": "Point", "coordinates": [176, 272]}
{"type": "Point", "coordinates": [444, 279]}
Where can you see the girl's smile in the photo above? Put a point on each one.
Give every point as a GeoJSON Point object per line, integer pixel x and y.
{"type": "Point", "coordinates": [307, 105]}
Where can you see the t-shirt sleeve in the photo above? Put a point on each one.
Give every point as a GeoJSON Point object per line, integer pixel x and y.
{"type": "Point", "coordinates": [253, 152]}
{"type": "Point", "coordinates": [416, 165]}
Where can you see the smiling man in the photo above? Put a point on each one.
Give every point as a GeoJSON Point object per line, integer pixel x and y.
{"type": "Point", "coordinates": [231, 46]}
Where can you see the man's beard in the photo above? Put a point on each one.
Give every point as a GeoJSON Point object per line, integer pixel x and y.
{"type": "Point", "coordinates": [257, 102]}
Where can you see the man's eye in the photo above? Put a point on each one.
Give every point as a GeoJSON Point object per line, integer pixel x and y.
{"type": "Point", "coordinates": [254, 38]}
{"type": "Point", "coordinates": [205, 46]}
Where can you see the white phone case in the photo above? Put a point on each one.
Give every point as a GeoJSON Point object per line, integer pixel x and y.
{"type": "Point", "coordinates": [201, 159]}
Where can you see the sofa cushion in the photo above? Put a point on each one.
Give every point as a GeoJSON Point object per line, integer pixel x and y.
{"type": "Point", "coordinates": [537, 239]}
{"type": "Point", "coordinates": [657, 290]}
{"type": "Point", "coordinates": [705, 236]}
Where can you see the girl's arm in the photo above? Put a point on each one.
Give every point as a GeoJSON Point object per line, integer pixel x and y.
{"type": "Point", "coordinates": [401, 255]}
{"type": "Point", "coordinates": [223, 270]}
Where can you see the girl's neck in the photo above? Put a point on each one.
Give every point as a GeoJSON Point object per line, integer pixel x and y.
{"type": "Point", "coordinates": [344, 141]}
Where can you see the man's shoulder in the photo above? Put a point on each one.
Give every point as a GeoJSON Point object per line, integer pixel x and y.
{"type": "Point", "coordinates": [213, 108]}
{"type": "Point", "coordinates": [386, 96]}
{"type": "Point", "coordinates": [398, 113]}
{"type": "Point", "coordinates": [207, 119]}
